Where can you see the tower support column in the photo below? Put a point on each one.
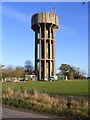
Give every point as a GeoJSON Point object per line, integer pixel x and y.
{"type": "Point", "coordinates": [45, 50]}
{"type": "Point", "coordinates": [54, 73]}
{"type": "Point", "coordinates": [50, 48]}
{"type": "Point", "coordinates": [39, 53]}
{"type": "Point", "coordinates": [36, 35]}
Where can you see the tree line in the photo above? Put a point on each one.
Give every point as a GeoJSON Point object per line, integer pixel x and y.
{"type": "Point", "coordinates": [18, 71]}
{"type": "Point", "coordinates": [72, 72]}
{"type": "Point", "coordinates": [65, 69]}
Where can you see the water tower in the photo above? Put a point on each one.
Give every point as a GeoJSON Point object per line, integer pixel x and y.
{"type": "Point", "coordinates": [44, 24]}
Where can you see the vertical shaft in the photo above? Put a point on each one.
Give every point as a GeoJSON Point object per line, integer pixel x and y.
{"type": "Point", "coordinates": [44, 50]}
{"type": "Point", "coordinates": [50, 47]}
{"type": "Point", "coordinates": [36, 34]}
{"type": "Point", "coordinates": [40, 53]}
{"type": "Point", "coordinates": [54, 53]}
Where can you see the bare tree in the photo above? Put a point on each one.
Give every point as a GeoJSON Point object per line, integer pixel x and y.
{"type": "Point", "coordinates": [9, 71]}
{"type": "Point", "coordinates": [83, 72]}
{"type": "Point", "coordinates": [28, 67]}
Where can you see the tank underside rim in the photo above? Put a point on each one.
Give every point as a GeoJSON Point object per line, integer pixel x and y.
{"type": "Point", "coordinates": [38, 25]}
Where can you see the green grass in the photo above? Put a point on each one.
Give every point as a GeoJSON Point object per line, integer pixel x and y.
{"type": "Point", "coordinates": [74, 87]}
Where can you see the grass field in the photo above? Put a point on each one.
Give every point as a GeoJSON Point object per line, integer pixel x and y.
{"type": "Point", "coordinates": [22, 95]}
{"type": "Point", "coordinates": [73, 87]}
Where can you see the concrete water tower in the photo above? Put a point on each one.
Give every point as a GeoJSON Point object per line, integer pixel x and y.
{"type": "Point", "coordinates": [44, 24]}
